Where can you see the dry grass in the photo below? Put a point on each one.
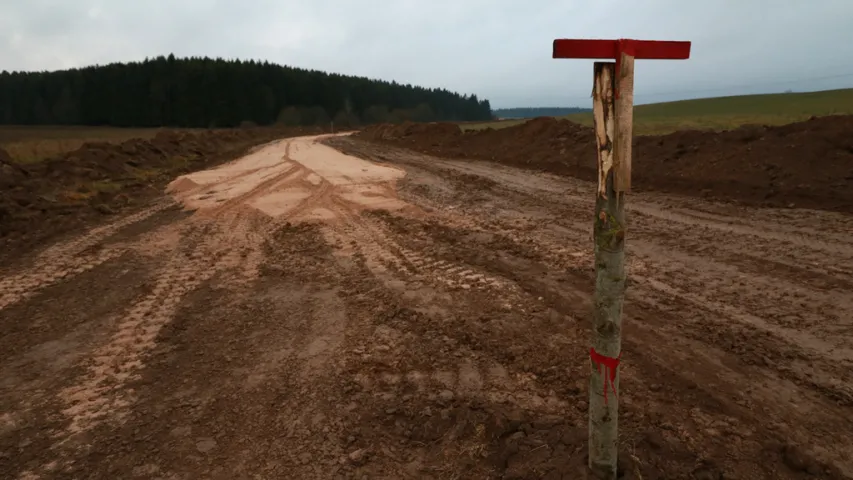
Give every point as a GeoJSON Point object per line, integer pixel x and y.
{"type": "Point", "coordinates": [28, 144]}
{"type": "Point", "coordinates": [722, 113]}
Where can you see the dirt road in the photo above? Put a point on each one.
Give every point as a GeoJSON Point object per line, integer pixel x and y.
{"type": "Point", "coordinates": [304, 314]}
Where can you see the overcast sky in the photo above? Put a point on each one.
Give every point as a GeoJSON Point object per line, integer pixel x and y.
{"type": "Point", "coordinates": [498, 49]}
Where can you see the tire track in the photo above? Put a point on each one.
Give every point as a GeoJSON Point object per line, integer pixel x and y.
{"type": "Point", "coordinates": [101, 395]}
{"type": "Point", "coordinates": [65, 260]}
{"type": "Point", "coordinates": [384, 256]}
{"type": "Point", "coordinates": [353, 232]}
{"type": "Point", "coordinates": [228, 239]}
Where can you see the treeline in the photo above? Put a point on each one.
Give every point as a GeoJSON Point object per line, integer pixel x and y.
{"type": "Point", "coordinates": [537, 112]}
{"type": "Point", "coordinates": [204, 92]}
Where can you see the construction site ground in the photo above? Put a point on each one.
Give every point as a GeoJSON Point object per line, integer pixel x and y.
{"type": "Point", "coordinates": [385, 314]}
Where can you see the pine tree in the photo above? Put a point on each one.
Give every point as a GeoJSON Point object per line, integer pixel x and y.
{"type": "Point", "coordinates": [205, 92]}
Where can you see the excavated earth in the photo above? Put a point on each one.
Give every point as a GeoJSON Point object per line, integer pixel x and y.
{"type": "Point", "coordinates": [807, 164]}
{"type": "Point", "coordinates": [41, 200]}
{"type": "Point", "coordinates": [382, 313]}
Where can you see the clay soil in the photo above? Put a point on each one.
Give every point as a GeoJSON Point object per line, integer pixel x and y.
{"type": "Point", "coordinates": [300, 313]}
{"type": "Point", "coordinates": [807, 164]}
{"type": "Point", "coordinates": [41, 200]}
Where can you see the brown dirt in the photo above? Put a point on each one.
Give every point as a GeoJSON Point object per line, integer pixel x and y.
{"type": "Point", "coordinates": [100, 179]}
{"type": "Point", "coordinates": [807, 164]}
{"type": "Point", "coordinates": [320, 317]}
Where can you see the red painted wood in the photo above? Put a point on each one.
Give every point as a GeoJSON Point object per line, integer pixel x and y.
{"type": "Point", "coordinates": [640, 49]}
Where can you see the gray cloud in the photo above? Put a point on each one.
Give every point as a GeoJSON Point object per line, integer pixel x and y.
{"type": "Point", "coordinates": [499, 49]}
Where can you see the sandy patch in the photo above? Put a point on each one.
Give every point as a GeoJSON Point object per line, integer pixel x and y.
{"type": "Point", "coordinates": [297, 178]}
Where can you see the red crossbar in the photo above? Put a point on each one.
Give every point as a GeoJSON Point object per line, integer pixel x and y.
{"type": "Point", "coordinates": [640, 49]}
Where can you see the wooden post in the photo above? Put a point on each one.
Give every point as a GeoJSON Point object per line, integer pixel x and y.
{"type": "Point", "coordinates": [613, 107]}
{"type": "Point", "coordinates": [613, 119]}
{"type": "Point", "coordinates": [609, 237]}
{"type": "Point", "coordinates": [624, 121]}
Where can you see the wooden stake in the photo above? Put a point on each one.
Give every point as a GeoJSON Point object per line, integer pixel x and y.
{"type": "Point", "coordinates": [612, 134]}
{"type": "Point", "coordinates": [613, 112]}
{"type": "Point", "coordinates": [624, 122]}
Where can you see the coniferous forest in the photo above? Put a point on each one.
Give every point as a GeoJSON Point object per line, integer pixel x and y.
{"type": "Point", "coordinates": [204, 92]}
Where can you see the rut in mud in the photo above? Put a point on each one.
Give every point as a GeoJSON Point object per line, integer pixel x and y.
{"type": "Point", "coordinates": [403, 316]}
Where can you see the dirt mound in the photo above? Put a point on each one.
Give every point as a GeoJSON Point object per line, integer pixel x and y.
{"type": "Point", "coordinates": [807, 164]}
{"type": "Point", "coordinates": [410, 130]}
{"type": "Point", "coordinates": [44, 198]}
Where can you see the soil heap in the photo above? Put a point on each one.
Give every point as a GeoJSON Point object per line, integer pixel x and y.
{"type": "Point", "coordinates": [42, 199]}
{"type": "Point", "coordinates": [807, 164]}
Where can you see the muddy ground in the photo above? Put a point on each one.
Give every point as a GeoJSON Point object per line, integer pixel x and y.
{"type": "Point", "coordinates": [398, 315]}
{"type": "Point", "coordinates": [41, 200]}
{"type": "Point", "coordinates": [805, 165]}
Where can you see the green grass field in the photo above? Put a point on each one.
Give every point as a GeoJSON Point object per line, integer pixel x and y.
{"type": "Point", "coordinates": [722, 113]}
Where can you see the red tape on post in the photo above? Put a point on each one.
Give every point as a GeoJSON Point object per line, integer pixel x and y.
{"type": "Point", "coordinates": [609, 366]}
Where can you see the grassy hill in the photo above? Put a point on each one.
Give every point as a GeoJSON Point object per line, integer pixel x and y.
{"type": "Point", "coordinates": [722, 113]}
